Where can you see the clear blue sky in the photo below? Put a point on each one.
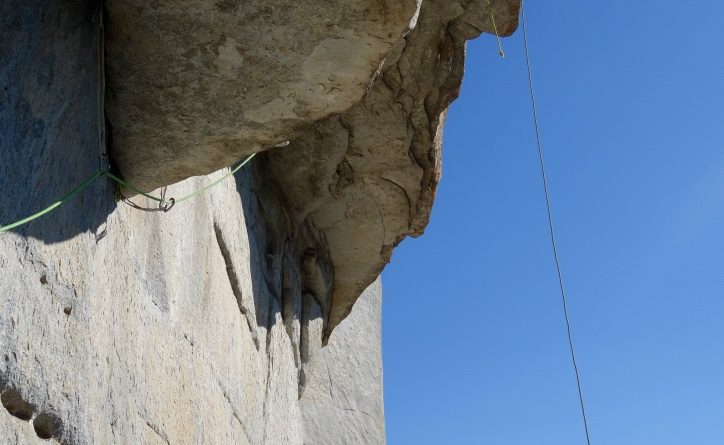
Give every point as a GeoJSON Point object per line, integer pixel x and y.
{"type": "Point", "coordinates": [631, 96]}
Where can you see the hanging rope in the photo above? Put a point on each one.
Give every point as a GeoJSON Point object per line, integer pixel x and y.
{"type": "Point", "coordinates": [501, 53]}
{"type": "Point", "coordinates": [101, 122]}
{"type": "Point", "coordinates": [550, 228]}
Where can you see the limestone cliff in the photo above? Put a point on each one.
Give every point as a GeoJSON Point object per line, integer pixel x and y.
{"type": "Point", "coordinates": [208, 324]}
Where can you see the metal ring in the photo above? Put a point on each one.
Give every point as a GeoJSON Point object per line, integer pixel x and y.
{"type": "Point", "coordinates": [165, 206]}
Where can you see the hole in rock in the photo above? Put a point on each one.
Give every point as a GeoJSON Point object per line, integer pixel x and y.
{"type": "Point", "coordinates": [47, 425]}
{"type": "Point", "coordinates": [16, 406]}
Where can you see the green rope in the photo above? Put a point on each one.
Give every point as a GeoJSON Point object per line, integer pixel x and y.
{"type": "Point", "coordinates": [56, 204]}
{"type": "Point", "coordinates": [203, 189]}
{"type": "Point", "coordinates": [122, 182]}
{"type": "Point", "coordinates": [135, 189]}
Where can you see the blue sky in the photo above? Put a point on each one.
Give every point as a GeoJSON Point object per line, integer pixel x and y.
{"type": "Point", "coordinates": [631, 97]}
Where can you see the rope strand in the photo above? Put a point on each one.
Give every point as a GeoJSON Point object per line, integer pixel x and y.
{"type": "Point", "coordinates": [501, 53]}
{"type": "Point", "coordinates": [164, 204]}
{"type": "Point", "coordinates": [55, 205]}
{"type": "Point", "coordinates": [551, 230]}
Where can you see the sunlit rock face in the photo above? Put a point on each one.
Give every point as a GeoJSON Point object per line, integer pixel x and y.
{"type": "Point", "coordinates": [358, 88]}
{"type": "Point", "coordinates": [227, 319]}
{"type": "Point", "coordinates": [366, 178]}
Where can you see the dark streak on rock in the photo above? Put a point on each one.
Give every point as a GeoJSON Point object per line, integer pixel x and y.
{"type": "Point", "coordinates": [234, 281]}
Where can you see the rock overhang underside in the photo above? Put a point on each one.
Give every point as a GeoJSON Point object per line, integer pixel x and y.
{"type": "Point", "coordinates": [359, 89]}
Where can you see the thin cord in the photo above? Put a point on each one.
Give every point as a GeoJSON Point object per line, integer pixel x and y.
{"type": "Point", "coordinates": [501, 53]}
{"type": "Point", "coordinates": [163, 204]}
{"type": "Point", "coordinates": [102, 85]}
{"type": "Point", "coordinates": [550, 228]}
{"type": "Point", "coordinates": [54, 205]}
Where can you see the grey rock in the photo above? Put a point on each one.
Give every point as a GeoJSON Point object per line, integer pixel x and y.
{"type": "Point", "coordinates": [341, 401]}
{"type": "Point", "coordinates": [121, 326]}
{"type": "Point", "coordinates": [359, 89]}
{"type": "Point", "coordinates": [194, 86]}
{"type": "Point", "coordinates": [366, 178]}
{"type": "Point", "coordinates": [208, 324]}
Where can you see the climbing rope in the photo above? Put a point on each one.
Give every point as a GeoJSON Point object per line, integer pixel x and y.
{"type": "Point", "coordinates": [497, 34]}
{"type": "Point", "coordinates": [55, 205]}
{"type": "Point", "coordinates": [170, 202]}
{"type": "Point", "coordinates": [550, 228]}
{"type": "Point", "coordinates": [164, 204]}
{"type": "Point", "coordinates": [101, 93]}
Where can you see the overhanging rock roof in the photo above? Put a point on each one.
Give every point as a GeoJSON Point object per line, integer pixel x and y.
{"type": "Point", "coordinates": [359, 88]}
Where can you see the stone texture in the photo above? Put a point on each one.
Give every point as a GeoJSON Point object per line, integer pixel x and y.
{"type": "Point", "coordinates": [341, 404]}
{"type": "Point", "coordinates": [194, 86]}
{"type": "Point", "coordinates": [121, 326]}
{"type": "Point", "coordinates": [366, 178]}
{"type": "Point", "coordinates": [360, 89]}
{"type": "Point", "coordinates": [207, 324]}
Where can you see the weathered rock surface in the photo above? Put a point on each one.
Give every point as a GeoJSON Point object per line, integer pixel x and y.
{"type": "Point", "coordinates": [206, 324]}
{"type": "Point", "coordinates": [194, 86]}
{"type": "Point", "coordinates": [341, 404]}
{"type": "Point", "coordinates": [120, 326]}
{"type": "Point", "coordinates": [359, 89]}
{"type": "Point", "coordinates": [367, 177]}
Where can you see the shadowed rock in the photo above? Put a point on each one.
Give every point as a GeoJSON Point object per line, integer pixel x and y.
{"type": "Point", "coordinates": [194, 86]}
{"type": "Point", "coordinates": [367, 177]}
{"type": "Point", "coordinates": [359, 88]}
{"type": "Point", "coordinates": [205, 323]}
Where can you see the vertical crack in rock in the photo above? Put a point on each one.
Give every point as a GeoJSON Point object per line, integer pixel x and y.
{"type": "Point", "coordinates": [292, 300]}
{"type": "Point", "coordinates": [268, 381]}
{"type": "Point", "coordinates": [288, 317]}
{"type": "Point", "coordinates": [232, 407]}
{"type": "Point", "coordinates": [234, 282]}
{"type": "Point", "coordinates": [158, 431]}
{"type": "Point", "coordinates": [331, 383]}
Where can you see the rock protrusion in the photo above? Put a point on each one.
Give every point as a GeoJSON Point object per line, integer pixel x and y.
{"type": "Point", "coordinates": [366, 178]}
{"type": "Point", "coordinates": [195, 86]}
{"type": "Point", "coordinates": [353, 96]}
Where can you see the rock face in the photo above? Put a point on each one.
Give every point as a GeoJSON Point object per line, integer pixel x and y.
{"type": "Point", "coordinates": [207, 324]}
{"type": "Point", "coordinates": [341, 404]}
{"type": "Point", "coordinates": [360, 89]}
{"type": "Point", "coordinates": [194, 86]}
{"type": "Point", "coordinates": [366, 178]}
